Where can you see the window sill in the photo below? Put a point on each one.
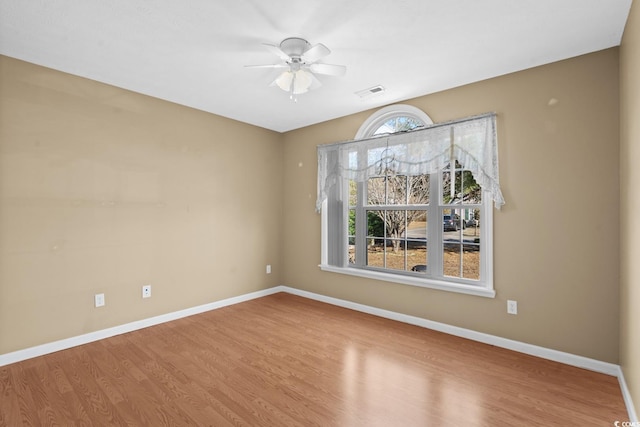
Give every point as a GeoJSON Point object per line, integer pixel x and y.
{"type": "Point", "coordinates": [414, 281]}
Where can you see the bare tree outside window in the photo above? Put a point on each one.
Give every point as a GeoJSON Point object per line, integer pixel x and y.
{"type": "Point", "coordinates": [392, 189]}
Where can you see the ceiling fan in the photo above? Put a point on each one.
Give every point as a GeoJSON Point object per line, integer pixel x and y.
{"type": "Point", "coordinates": [300, 65]}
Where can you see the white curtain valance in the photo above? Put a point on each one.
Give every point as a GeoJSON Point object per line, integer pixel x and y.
{"type": "Point", "coordinates": [471, 141]}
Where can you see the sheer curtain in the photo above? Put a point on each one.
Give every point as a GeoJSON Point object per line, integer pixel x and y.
{"type": "Point", "coordinates": [471, 141]}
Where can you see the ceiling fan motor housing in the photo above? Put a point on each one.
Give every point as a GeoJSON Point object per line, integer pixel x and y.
{"type": "Point", "coordinates": [295, 47]}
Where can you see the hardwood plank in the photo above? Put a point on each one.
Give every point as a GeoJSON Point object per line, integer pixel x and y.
{"type": "Point", "coordinates": [284, 360]}
{"type": "Point", "coordinates": [10, 408]}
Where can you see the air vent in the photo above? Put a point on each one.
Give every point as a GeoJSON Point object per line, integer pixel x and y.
{"type": "Point", "coordinates": [376, 90]}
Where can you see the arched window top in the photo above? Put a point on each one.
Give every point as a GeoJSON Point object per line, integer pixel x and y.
{"type": "Point", "coordinates": [392, 119]}
{"type": "Point", "coordinates": [472, 141]}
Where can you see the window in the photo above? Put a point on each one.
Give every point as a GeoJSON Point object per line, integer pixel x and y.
{"type": "Point", "coordinates": [392, 119]}
{"type": "Point", "coordinates": [412, 207]}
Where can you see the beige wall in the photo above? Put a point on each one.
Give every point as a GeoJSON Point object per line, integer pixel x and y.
{"type": "Point", "coordinates": [104, 190]}
{"type": "Point", "coordinates": [630, 204]}
{"type": "Point", "coordinates": [556, 239]}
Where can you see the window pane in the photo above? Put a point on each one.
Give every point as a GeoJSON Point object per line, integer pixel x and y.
{"type": "Point", "coordinates": [416, 235]}
{"type": "Point", "coordinates": [472, 223]}
{"type": "Point", "coordinates": [398, 124]}
{"type": "Point", "coordinates": [352, 251]}
{"type": "Point", "coordinates": [462, 263]}
{"type": "Point", "coordinates": [395, 223]}
{"type": "Point", "coordinates": [459, 186]}
{"type": "Point", "coordinates": [461, 243]}
{"type": "Point", "coordinates": [353, 193]}
{"type": "Point", "coordinates": [470, 189]}
{"type": "Point", "coordinates": [418, 189]}
{"type": "Point", "coordinates": [451, 260]}
{"type": "Point", "coordinates": [375, 224]}
{"type": "Point", "coordinates": [377, 191]}
{"type": "Point", "coordinates": [375, 253]}
{"type": "Point", "coordinates": [378, 157]}
{"type": "Point", "coordinates": [448, 192]}
{"type": "Point", "coordinates": [352, 236]}
{"type": "Point", "coordinates": [472, 244]}
{"type": "Point", "coordinates": [471, 261]}
{"type": "Point", "coordinates": [466, 266]}
{"type": "Point", "coordinates": [353, 159]}
{"type": "Point", "coordinates": [396, 190]}
{"type": "Point", "coordinates": [395, 252]}
{"type": "Point", "coordinates": [416, 225]}
{"type": "Point", "coordinates": [452, 223]}
{"type": "Point", "coordinates": [375, 238]}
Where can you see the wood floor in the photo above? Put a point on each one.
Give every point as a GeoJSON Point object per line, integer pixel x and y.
{"type": "Point", "coordinates": [283, 360]}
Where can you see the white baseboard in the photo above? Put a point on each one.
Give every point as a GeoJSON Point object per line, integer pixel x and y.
{"type": "Point", "coordinates": [534, 350]}
{"type": "Point", "coordinates": [626, 395]}
{"type": "Point", "coordinates": [545, 353]}
{"type": "Point", "coordinates": [530, 349]}
{"type": "Point", "coordinates": [40, 350]}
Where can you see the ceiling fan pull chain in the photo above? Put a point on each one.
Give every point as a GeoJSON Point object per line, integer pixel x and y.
{"type": "Point", "coordinates": [292, 96]}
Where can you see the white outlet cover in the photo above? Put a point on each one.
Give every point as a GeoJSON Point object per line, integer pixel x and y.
{"type": "Point", "coordinates": [146, 291]}
{"type": "Point", "coordinates": [512, 307]}
{"type": "Point", "coordinates": [99, 300]}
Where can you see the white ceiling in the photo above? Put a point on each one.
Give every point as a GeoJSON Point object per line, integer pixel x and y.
{"type": "Point", "coordinates": [193, 52]}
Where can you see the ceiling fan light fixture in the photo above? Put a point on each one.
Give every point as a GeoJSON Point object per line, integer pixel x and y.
{"type": "Point", "coordinates": [296, 82]}
{"type": "Point", "coordinates": [301, 82]}
{"type": "Point", "coordinates": [284, 80]}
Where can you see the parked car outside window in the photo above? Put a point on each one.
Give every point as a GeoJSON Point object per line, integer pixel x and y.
{"type": "Point", "coordinates": [452, 223]}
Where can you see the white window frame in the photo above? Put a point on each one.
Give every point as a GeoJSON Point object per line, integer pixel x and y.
{"type": "Point", "coordinates": [381, 116]}
{"type": "Point", "coordinates": [482, 287]}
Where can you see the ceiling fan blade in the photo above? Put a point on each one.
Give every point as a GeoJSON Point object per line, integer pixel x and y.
{"type": "Point", "coordinates": [267, 66]}
{"type": "Point", "coordinates": [315, 83]}
{"type": "Point", "coordinates": [314, 53]}
{"type": "Point", "coordinates": [328, 69]}
{"type": "Point", "coordinates": [277, 51]}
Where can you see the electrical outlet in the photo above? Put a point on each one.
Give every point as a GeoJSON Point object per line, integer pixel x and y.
{"type": "Point", "coordinates": [268, 268]}
{"type": "Point", "coordinates": [146, 291]}
{"type": "Point", "coordinates": [99, 300]}
{"type": "Point", "coordinates": [512, 307]}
